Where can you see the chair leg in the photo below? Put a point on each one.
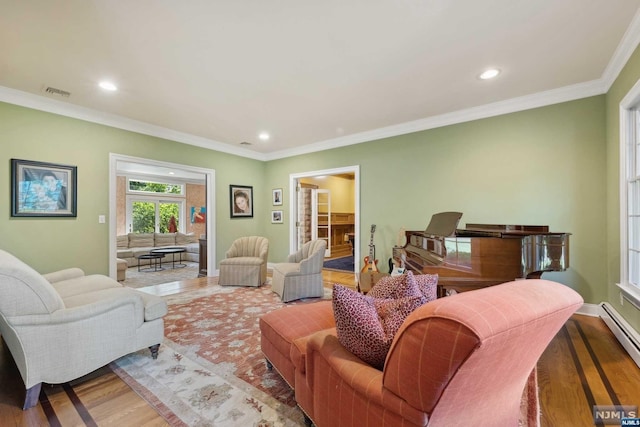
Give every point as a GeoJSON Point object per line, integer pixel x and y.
{"type": "Point", "coordinates": [32, 395]}
{"type": "Point", "coordinates": [154, 351]}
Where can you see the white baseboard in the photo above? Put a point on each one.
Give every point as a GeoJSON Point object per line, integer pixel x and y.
{"type": "Point", "coordinates": [592, 310]}
{"type": "Point", "coordinates": [624, 332]}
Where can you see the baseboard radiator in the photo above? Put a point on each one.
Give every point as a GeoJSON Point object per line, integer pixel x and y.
{"type": "Point", "coordinates": [628, 337]}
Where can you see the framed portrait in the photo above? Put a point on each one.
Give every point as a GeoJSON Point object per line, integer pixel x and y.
{"type": "Point", "coordinates": [41, 189]}
{"type": "Point", "coordinates": [276, 217]}
{"type": "Point", "coordinates": [277, 197]}
{"type": "Point", "coordinates": [198, 215]}
{"type": "Point", "coordinates": [241, 204]}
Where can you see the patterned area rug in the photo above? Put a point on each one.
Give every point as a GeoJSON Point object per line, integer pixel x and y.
{"type": "Point", "coordinates": [140, 279]}
{"type": "Point", "coordinates": [210, 370]}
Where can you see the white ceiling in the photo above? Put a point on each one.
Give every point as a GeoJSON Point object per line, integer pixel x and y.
{"type": "Point", "coordinates": [315, 75]}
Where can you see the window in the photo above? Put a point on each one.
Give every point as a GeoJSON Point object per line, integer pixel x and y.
{"type": "Point", "coordinates": [633, 200]}
{"type": "Point", "coordinates": [136, 185]}
{"type": "Point", "coordinates": [630, 195]}
{"type": "Point", "coordinates": [151, 215]}
{"type": "Point", "coordinates": [155, 206]}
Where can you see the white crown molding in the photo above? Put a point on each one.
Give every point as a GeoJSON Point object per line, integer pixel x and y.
{"type": "Point", "coordinates": [36, 102]}
{"type": "Point", "coordinates": [541, 99]}
{"type": "Point", "coordinates": [623, 52]}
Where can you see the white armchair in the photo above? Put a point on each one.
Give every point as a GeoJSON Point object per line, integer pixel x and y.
{"type": "Point", "coordinates": [63, 325]}
{"type": "Point", "coordinates": [246, 262]}
{"type": "Point", "coordinates": [301, 277]}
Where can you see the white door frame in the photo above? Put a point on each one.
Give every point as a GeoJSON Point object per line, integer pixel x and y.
{"type": "Point", "coordinates": [293, 206]}
{"type": "Point", "coordinates": [210, 177]}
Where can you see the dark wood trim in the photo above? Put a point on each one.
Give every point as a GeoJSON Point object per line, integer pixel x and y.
{"type": "Point", "coordinates": [48, 410]}
{"type": "Point", "coordinates": [79, 406]}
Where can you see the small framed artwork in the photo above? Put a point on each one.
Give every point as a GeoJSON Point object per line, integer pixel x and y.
{"type": "Point", "coordinates": [277, 197]}
{"type": "Point", "coordinates": [241, 201]}
{"type": "Point", "coordinates": [198, 215]}
{"type": "Point", "coordinates": [276, 217]}
{"type": "Point", "coordinates": [41, 189]}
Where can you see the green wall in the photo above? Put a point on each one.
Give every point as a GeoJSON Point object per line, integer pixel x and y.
{"type": "Point", "coordinates": [541, 166]}
{"type": "Point", "coordinates": [623, 84]}
{"type": "Point", "coordinates": [51, 244]}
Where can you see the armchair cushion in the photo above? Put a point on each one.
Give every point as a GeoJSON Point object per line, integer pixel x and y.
{"type": "Point", "coordinates": [366, 325]}
{"type": "Point", "coordinates": [58, 276]}
{"type": "Point", "coordinates": [83, 284]}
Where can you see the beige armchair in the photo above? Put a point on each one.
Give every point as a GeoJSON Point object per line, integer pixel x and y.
{"type": "Point", "coordinates": [246, 262]}
{"type": "Point", "coordinates": [301, 277]}
{"type": "Point", "coordinates": [63, 325]}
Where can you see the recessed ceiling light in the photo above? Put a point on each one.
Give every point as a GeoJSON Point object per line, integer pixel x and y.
{"type": "Point", "coordinates": [489, 74]}
{"type": "Point", "coordinates": [108, 86]}
{"type": "Point", "coordinates": [172, 173]}
{"type": "Point", "coordinates": [264, 136]}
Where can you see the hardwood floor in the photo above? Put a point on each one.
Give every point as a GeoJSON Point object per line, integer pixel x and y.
{"type": "Point", "coordinates": [583, 365]}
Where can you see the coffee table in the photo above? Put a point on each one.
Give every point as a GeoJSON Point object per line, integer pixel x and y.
{"type": "Point", "coordinates": [155, 262]}
{"type": "Point", "coordinates": [172, 252]}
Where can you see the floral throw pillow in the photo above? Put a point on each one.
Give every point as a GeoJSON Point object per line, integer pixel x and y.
{"type": "Point", "coordinates": [366, 325]}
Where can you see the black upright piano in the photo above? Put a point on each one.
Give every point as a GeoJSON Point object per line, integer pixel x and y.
{"type": "Point", "coordinates": [481, 255]}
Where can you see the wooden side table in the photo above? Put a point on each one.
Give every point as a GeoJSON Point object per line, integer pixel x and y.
{"type": "Point", "coordinates": [202, 258]}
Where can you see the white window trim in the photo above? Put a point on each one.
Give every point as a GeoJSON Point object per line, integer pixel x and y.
{"type": "Point", "coordinates": [627, 131]}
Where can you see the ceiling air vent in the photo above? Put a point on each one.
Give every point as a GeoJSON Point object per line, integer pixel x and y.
{"type": "Point", "coordinates": [53, 91]}
{"type": "Point", "coordinates": [245, 143]}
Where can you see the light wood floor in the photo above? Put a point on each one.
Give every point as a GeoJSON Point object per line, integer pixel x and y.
{"type": "Point", "coordinates": [584, 365]}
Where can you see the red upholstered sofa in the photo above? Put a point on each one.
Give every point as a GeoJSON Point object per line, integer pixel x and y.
{"type": "Point", "coordinates": [457, 361]}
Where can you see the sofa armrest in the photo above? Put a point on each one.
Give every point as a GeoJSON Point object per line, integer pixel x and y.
{"type": "Point", "coordinates": [329, 366]}
{"type": "Point", "coordinates": [103, 302]}
{"type": "Point", "coordinates": [313, 263]}
{"type": "Point", "coordinates": [58, 276]}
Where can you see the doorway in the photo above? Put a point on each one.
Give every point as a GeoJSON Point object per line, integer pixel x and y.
{"type": "Point", "coordinates": [339, 225]}
{"type": "Point", "coordinates": [141, 167]}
